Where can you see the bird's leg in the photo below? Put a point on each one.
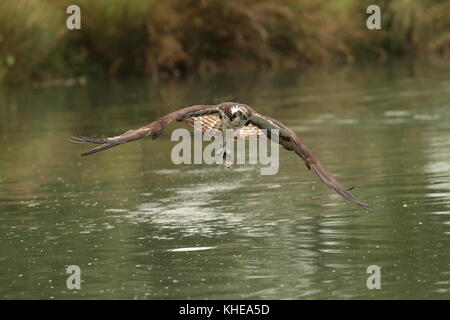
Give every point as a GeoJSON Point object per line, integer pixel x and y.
{"type": "Point", "coordinates": [224, 154]}
{"type": "Point", "coordinates": [228, 162]}
{"type": "Point", "coordinates": [221, 153]}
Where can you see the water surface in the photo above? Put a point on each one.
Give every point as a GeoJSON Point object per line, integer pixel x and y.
{"type": "Point", "coordinates": [141, 227]}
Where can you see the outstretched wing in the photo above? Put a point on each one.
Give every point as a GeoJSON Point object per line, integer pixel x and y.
{"type": "Point", "coordinates": [291, 142]}
{"type": "Point", "coordinates": [153, 130]}
{"type": "Point", "coordinates": [213, 123]}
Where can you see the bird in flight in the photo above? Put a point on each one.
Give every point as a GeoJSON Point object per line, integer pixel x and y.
{"type": "Point", "coordinates": [244, 120]}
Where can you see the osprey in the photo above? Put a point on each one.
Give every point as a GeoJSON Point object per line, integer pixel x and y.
{"type": "Point", "coordinates": [228, 115]}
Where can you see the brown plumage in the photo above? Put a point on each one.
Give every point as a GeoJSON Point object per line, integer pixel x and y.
{"type": "Point", "coordinates": [212, 117]}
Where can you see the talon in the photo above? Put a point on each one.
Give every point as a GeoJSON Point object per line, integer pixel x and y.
{"type": "Point", "coordinates": [228, 164]}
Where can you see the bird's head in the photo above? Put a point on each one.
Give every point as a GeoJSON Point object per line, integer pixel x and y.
{"type": "Point", "coordinates": [239, 112]}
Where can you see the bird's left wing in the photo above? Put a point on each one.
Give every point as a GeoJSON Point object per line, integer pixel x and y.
{"type": "Point", "coordinates": [153, 130]}
{"type": "Point", "coordinates": [291, 142]}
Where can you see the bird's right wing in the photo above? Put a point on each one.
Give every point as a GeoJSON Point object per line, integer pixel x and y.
{"type": "Point", "coordinates": [292, 142]}
{"type": "Point", "coordinates": [153, 130]}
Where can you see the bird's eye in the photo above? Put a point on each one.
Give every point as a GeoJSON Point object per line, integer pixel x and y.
{"type": "Point", "coordinates": [236, 114]}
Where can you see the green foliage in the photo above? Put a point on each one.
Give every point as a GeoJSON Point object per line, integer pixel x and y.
{"type": "Point", "coordinates": [409, 27]}
{"type": "Point", "coordinates": [173, 37]}
{"type": "Point", "coordinates": [190, 35]}
{"type": "Point", "coordinates": [114, 34]}
{"type": "Point", "coordinates": [29, 31]}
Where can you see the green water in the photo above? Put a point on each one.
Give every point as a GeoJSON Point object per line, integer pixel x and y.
{"type": "Point", "coordinates": [140, 227]}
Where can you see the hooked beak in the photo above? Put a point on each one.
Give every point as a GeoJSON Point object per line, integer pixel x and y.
{"type": "Point", "coordinates": [242, 115]}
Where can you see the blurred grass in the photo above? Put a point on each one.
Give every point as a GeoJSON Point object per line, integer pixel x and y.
{"type": "Point", "coordinates": [29, 33]}
{"type": "Point", "coordinates": [174, 37]}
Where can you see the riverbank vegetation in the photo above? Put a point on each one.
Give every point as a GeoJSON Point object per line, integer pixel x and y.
{"type": "Point", "coordinates": [175, 37]}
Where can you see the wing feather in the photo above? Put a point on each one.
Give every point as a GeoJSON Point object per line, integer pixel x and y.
{"type": "Point", "coordinates": [206, 122]}
{"type": "Point", "coordinates": [153, 130]}
{"type": "Point", "coordinates": [213, 122]}
{"type": "Point", "coordinates": [291, 142]}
